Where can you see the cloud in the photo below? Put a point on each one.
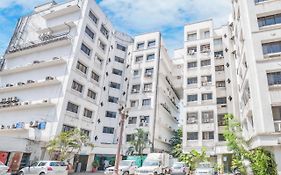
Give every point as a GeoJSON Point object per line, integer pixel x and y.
{"type": "Point", "coordinates": [23, 3]}
{"type": "Point", "coordinates": [167, 16]}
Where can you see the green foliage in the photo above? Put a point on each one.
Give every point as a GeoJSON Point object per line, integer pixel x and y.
{"type": "Point", "coordinates": [95, 164]}
{"type": "Point", "coordinates": [177, 150]}
{"type": "Point", "coordinates": [193, 158]}
{"type": "Point", "coordinates": [262, 161]}
{"type": "Point", "coordinates": [176, 143]}
{"type": "Point", "coordinates": [66, 144]}
{"type": "Point", "coordinates": [140, 141]}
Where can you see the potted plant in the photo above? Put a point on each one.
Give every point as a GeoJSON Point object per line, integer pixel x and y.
{"type": "Point", "coordinates": [95, 165]}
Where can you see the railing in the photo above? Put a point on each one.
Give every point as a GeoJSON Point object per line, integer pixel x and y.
{"type": "Point", "coordinates": [277, 126]}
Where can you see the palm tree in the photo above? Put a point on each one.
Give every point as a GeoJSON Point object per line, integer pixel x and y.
{"type": "Point", "coordinates": [140, 141]}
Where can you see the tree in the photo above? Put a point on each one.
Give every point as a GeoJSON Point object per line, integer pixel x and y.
{"type": "Point", "coordinates": [176, 143]}
{"type": "Point", "coordinates": [67, 144]}
{"type": "Point", "coordinates": [140, 141]}
{"type": "Point", "coordinates": [262, 161]}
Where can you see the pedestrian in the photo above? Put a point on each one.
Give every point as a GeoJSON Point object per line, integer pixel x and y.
{"type": "Point", "coordinates": [70, 168]}
{"type": "Point", "coordinates": [79, 167]}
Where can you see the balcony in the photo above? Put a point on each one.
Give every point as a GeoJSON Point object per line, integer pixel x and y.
{"type": "Point", "coordinates": [29, 84]}
{"type": "Point", "coordinates": [32, 66]}
{"type": "Point", "coordinates": [46, 42]}
{"type": "Point", "coordinates": [277, 126]}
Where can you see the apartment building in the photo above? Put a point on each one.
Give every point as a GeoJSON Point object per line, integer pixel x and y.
{"type": "Point", "coordinates": [256, 37]}
{"type": "Point", "coordinates": [64, 63]}
{"type": "Point", "coordinates": [207, 97]}
{"type": "Point", "coordinates": [152, 100]}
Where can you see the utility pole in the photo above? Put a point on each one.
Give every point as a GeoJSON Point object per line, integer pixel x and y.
{"type": "Point", "coordinates": [123, 115]}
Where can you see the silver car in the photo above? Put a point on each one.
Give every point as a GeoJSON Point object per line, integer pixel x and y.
{"type": "Point", "coordinates": [3, 169]}
{"type": "Point", "coordinates": [179, 168]}
{"type": "Point", "coordinates": [45, 168]}
{"type": "Point", "coordinates": [204, 168]}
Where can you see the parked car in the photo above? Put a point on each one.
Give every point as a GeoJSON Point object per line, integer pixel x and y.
{"type": "Point", "coordinates": [3, 169]}
{"type": "Point", "coordinates": [45, 168]}
{"type": "Point", "coordinates": [204, 168]}
{"type": "Point", "coordinates": [126, 167]}
{"type": "Point", "coordinates": [179, 168]}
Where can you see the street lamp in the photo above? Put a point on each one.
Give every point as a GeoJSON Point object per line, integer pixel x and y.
{"type": "Point", "coordinates": [124, 114]}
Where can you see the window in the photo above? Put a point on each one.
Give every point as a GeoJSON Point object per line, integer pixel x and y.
{"type": "Point", "coordinates": [88, 113]}
{"type": "Point", "coordinates": [258, 1]}
{"type": "Point", "coordinates": [119, 60]}
{"type": "Point", "coordinates": [192, 80]}
{"type": "Point", "coordinates": [270, 48]}
{"type": "Point", "coordinates": [114, 85]}
{"type": "Point", "coordinates": [134, 103]}
{"type": "Point", "coordinates": [98, 60]}
{"type": "Point", "coordinates": [220, 84]}
{"type": "Point", "coordinates": [95, 76]}
{"type": "Point", "coordinates": [110, 114]}
{"type": "Point", "coordinates": [192, 98]}
{"type": "Point", "coordinates": [120, 47]}
{"type": "Point", "coordinates": [140, 46]}
{"type": "Point", "coordinates": [91, 94]}
{"type": "Point", "coordinates": [104, 31]}
{"type": "Point", "coordinates": [130, 137]}
{"type": "Point", "coordinates": [192, 135]}
{"type": "Point", "coordinates": [269, 20]}
{"type": "Point", "coordinates": [144, 120]}
{"type": "Point", "coordinates": [108, 130]}
{"type": "Point", "coordinates": [219, 68]}
{"type": "Point", "coordinates": [191, 36]}
{"type": "Point", "coordinates": [221, 120]}
{"type": "Point", "coordinates": [146, 102]}
{"type": "Point", "coordinates": [206, 80]}
{"type": "Point", "coordinates": [192, 64]}
{"type": "Point", "coordinates": [85, 132]}
{"type": "Point", "coordinates": [117, 72]}
{"type": "Point", "coordinates": [218, 54]}
{"type": "Point", "coordinates": [136, 88]}
{"type": "Point", "coordinates": [221, 138]}
{"type": "Point", "coordinates": [77, 86]}
{"type": "Point", "coordinates": [147, 87]}
{"type": "Point", "coordinates": [191, 50]}
{"type": "Point", "coordinates": [207, 96]}
{"type": "Point", "coordinates": [208, 135]}
{"type": "Point", "coordinates": [132, 120]}
{"type": "Point", "coordinates": [274, 78]}
{"type": "Point", "coordinates": [66, 128]}
{"type": "Point", "coordinates": [221, 100]}
{"type": "Point", "coordinates": [206, 34]}
{"type": "Point", "coordinates": [151, 43]}
{"type": "Point", "coordinates": [208, 117]}
{"type": "Point", "coordinates": [81, 67]}
{"type": "Point", "coordinates": [136, 73]}
{"type": "Point", "coordinates": [102, 45]}
{"type": "Point", "coordinates": [192, 118]}
{"type": "Point", "coordinates": [139, 59]}
{"type": "Point", "coordinates": [150, 57]}
{"type": "Point", "coordinates": [218, 42]}
{"type": "Point", "coordinates": [89, 32]}
{"type": "Point", "coordinates": [205, 48]}
{"type": "Point", "coordinates": [85, 49]}
{"type": "Point", "coordinates": [112, 99]}
{"type": "Point", "coordinates": [148, 72]}
{"type": "Point", "coordinates": [205, 63]}
{"type": "Point", "coordinates": [71, 107]}
{"type": "Point", "coordinates": [93, 17]}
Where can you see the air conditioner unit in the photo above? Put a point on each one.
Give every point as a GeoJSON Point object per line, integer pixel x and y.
{"type": "Point", "coordinates": [135, 90]}
{"type": "Point", "coordinates": [36, 62]}
{"type": "Point", "coordinates": [9, 85]}
{"type": "Point", "coordinates": [56, 58]}
{"type": "Point", "coordinates": [191, 52]}
{"type": "Point", "coordinates": [21, 83]}
{"type": "Point", "coordinates": [30, 81]}
{"type": "Point", "coordinates": [26, 103]}
{"type": "Point", "coordinates": [2, 127]}
{"type": "Point", "coordinates": [46, 101]}
{"type": "Point", "coordinates": [33, 124]}
{"type": "Point", "coordinates": [14, 126]}
{"type": "Point", "coordinates": [49, 78]}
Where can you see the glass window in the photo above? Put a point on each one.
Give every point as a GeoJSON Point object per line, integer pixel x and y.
{"type": "Point", "coordinates": [104, 31]}
{"type": "Point", "coordinates": [112, 99]}
{"type": "Point", "coordinates": [119, 60]}
{"type": "Point", "coordinates": [208, 117]}
{"type": "Point", "coordinates": [71, 107]}
{"type": "Point", "coordinates": [89, 32]}
{"type": "Point", "coordinates": [191, 50]}
{"type": "Point", "coordinates": [269, 20]}
{"type": "Point", "coordinates": [130, 137]}
{"type": "Point", "coordinates": [192, 80]}
{"type": "Point", "coordinates": [85, 132]}
{"type": "Point", "coordinates": [93, 17]}
{"type": "Point", "coordinates": [147, 87]}
{"type": "Point", "coordinates": [274, 78]}
{"type": "Point", "coordinates": [192, 118]}
{"type": "Point", "coordinates": [132, 120]}
{"type": "Point", "coordinates": [85, 49]}
{"type": "Point", "coordinates": [218, 54]}
{"type": "Point", "coordinates": [273, 47]}
{"type": "Point", "coordinates": [221, 138]}
{"type": "Point", "coordinates": [220, 84]}
{"type": "Point", "coordinates": [140, 46]}
{"type": "Point", "coordinates": [91, 94]}
{"type": "Point", "coordinates": [205, 48]}
{"type": "Point", "coordinates": [136, 88]}
{"type": "Point", "coordinates": [115, 85]}
{"type": "Point", "coordinates": [151, 43]}
{"type": "Point", "coordinates": [205, 62]}
{"type": "Point", "coordinates": [219, 68]}
{"type": "Point", "coordinates": [148, 72]}
{"type": "Point", "coordinates": [66, 128]}
{"type": "Point", "coordinates": [108, 130]}
{"type": "Point", "coordinates": [111, 114]}
{"type": "Point", "coordinates": [120, 47]}
{"type": "Point", "coordinates": [146, 102]}
{"type": "Point", "coordinates": [134, 103]}
{"type": "Point", "coordinates": [221, 120]}
{"type": "Point", "coordinates": [208, 135]}
{"type": "Point", "coordinates": [95, 76]}
{"type": "Point", "coordinates": [139, 59]}
{"type": "Point", "coordinates": [136, 73]}
{"type": "Point", "coordinates": [207, 96]}
{"type": "Point", "coordinates": [102, 45]}
{"type": "Point", "coordinates": [191, 36]}
{"type": "Point", "coordinates": [206, 80]}
{"type": "Point", "coordinates": [192, 98]}
{"type": "Point", "coordinates": [81, 67]}
{"type": "Point", "coordinates": [77, 86]}
{"type": "Point", "coordinates": [87, 113]}
{"type": "Point", "coordinates": [117, 72]}
{"type": "Point", "coordinates": [221, 100]}
{"type": "Point", "coordinates": [192, 64]}
{"type": "Point", "coordinates": [150, 57]}
{"type": "Point", "coordinates": [192, 135]}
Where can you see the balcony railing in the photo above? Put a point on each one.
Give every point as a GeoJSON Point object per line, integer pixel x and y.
{"type": "Point", "coordinates": [277, 126]}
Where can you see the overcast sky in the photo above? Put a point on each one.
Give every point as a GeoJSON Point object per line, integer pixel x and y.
{"type": "Point", "coordinates": [132, 16]}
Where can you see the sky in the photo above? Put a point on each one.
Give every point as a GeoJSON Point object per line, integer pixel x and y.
{"type": "Point", "coordinates": [132, 16]}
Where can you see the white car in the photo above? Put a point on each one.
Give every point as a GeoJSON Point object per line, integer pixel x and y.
{"type": "Point", "coordinates": [3, 169]}
{"type": "Point", "coordinates": [204, 168]}
{"type": "Point", "coordinates": [126, 167]}
{"type": "Point", "coordinates": [179, 168]}
{"type": "Point", "coordinates": [45, 168]}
